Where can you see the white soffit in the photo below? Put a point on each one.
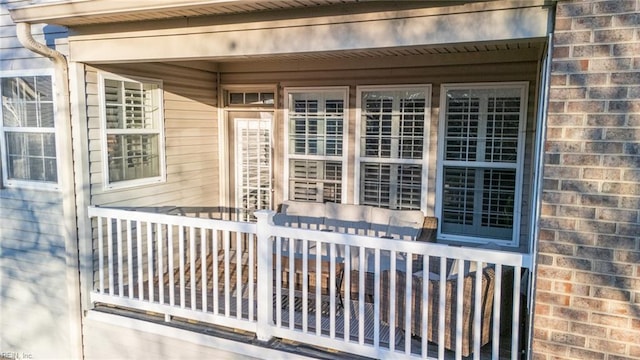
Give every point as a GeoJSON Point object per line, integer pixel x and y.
{"type": "Point", "coordinates": [90, 12]}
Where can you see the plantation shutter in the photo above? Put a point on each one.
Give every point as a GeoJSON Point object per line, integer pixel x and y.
{"type": "Point", "coordinates": [482, 131]}
{"type": "Point", "coordinates": [391, 148]}
{"type": "Point", "coordinates": [316, 131]}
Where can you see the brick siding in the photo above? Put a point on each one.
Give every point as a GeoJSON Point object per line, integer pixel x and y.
{"type": "Point", "coordinates": [588, 289]}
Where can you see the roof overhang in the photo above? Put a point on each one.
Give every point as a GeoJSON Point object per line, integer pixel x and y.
{"type": "Point", "coordinates": [86, 12]}
{"type": "Point", "coordinates": [160, 34]}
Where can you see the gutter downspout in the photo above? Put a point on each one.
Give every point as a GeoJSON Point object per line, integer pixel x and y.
{"type": "Point", "coordinates": [66, 180]}
{"type": "Point", "coordinates": [541, 137]}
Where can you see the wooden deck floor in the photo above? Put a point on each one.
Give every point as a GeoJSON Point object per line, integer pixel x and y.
{"type": "Point", "coordinates": [399, 343]}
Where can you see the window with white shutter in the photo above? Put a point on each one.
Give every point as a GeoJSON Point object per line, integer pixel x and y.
{"type": "Point", "coordinates": [316, 121]}
{"type": "Point", "coordinates": [393, 127]}
{"type": "Point", "coordinates": [27, 131]}
{"type": "Point", "coordinates": [133, 131]}
{"type": "Point", "coordinates": [480, 172]}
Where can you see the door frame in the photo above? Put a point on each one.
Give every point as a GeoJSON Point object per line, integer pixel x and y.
{"type": "Point", "coordinates": [224, 128]}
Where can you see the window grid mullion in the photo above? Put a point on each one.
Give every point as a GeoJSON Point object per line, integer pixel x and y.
{"type": "Point", "coordinates": [30, 130]}
{"type": "Point", "coordinates": [481, 145]}
{"type": "Point", "coordinates": [478, 189]}
{"type": "Point", "coordinates": [394, 200]}
{"type": "Point", "coordinates": [396, 118]}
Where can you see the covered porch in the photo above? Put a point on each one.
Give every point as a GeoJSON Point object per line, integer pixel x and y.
{"type": "Point", "coordinates": [434, 107]}
{"type": "Point", "coordinates": [187, 264]}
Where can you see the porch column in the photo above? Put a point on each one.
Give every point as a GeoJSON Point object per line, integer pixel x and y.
{"type": "Point", "coordinates": [265, 274]}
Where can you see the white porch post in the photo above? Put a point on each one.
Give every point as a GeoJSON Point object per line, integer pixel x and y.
{"type": "Point", "coordinates": [265, 274]}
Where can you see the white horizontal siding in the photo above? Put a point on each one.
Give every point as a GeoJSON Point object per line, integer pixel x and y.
{"type": "Point", "coordinates": [33, 299]}
{"type": "Point", "coordinates": [191, 139]}
{"type": "Point", "coordinates": [14, 55]}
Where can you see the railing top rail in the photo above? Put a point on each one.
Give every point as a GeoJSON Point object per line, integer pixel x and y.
{"type": "Point", "coordinates": [178, 220]}
{"type": "Point", "coordinates": [413, 247]}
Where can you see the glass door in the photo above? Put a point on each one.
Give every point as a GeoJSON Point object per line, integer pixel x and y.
{"type": "Point", "coordinates": [253, 166]}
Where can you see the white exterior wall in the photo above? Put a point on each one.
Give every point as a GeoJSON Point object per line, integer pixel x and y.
{"type": "Point", "coordinates": [34, 312]}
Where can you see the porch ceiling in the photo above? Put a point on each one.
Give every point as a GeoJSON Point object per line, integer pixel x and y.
{"type": "Point", "coordinates": [402, 52]}
{"type": "Point", "coordinates": [415, 56]}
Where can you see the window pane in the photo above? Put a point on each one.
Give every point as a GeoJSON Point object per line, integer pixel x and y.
{"type": "Point", "coordinates": [31, 114]}
{"type": "Point", "coordinates": [46, 115]}
{"type": "Point", "coordinates": [411, 128]}
{"type": "Point", "coordinates": [114, 116]}
{"type": "Point", "coordinates": [312, 180]}
{"type": "Point", "coordinates": [236, 98]}
{"type": "Point", "coordinates": [458, 196]}
{"type": "Point", "coordinates": [50, 170]}
{"type": "Point", "coordinates": [251, 98]}
{"type": "Point", "coordinates": [316, 124]}
{"type": "Point", "coordinates": [133, 106]}
{"type": "Point", "coordinates": [267, 98]}
{"type": "Point", "coordinates": [31, 156]}
{"type": "Point", "coordinates": [11, 114]}
{"type": "Point", "coordinates": [27, 102]}
{"type": "Point", "coordinates": [378, 127]}
{"type": "Point", "coordinates": [130, 105]}
{"type": "Point", "coordinates": [375, 184]}
{"type": "Point", "coordinates": [393, 124]}
{"type": "Point", "coordinates": [150, 106]}
{"type": "Point", "coordinates": [409, 187]}
{"type": "Point", "coordinates": [498, 198]}
{"type": "Point", "coordinates": [391, 186]}
{"type": "Point", "coordinates": [133, 157]}
{"type": "Point", "coordinates": [462, 124]}
{"type": "Point", "coordinates": [503, 120]}
{"type": "Point", "coordinates": [332, 186]}
{"type": "Point", "coordinates": [34, 144]}
{"type": "Point", "coordinates": [45, 88]}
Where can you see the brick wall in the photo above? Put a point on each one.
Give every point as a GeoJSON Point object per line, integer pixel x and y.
{"type": "Point", "coordinates": [588, 289]}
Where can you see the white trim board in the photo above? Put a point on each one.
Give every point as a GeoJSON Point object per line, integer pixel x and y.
{"type": "Point", "coordinates": [226, 43]}
{"type": "Point", "coordinates": [203, 340]}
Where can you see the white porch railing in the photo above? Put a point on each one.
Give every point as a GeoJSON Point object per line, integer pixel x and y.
{"type": "Point", "coordinates": [351, 293]}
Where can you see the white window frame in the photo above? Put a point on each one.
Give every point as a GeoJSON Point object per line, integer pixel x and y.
{"type": "Point", "coordinates": [518, 165]}
{"type": "Point", "coordinates": [424, 161]}
{"type": "Point", "coordinates": [345, 136]}
{"type": "Point", "coordinates": [30, 184]}
{"type": "Point", "coordinates": [105, 132]}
